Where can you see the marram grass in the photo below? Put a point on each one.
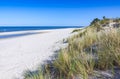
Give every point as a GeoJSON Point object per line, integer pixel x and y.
{"type": "Point", "coordinates": [87, 51]}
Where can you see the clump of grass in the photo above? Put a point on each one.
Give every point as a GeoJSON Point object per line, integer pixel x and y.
{"type": "Point", "coordinates": [76, 30]}
{"type": "Point", "coordinates": [74, 63]}
{"type": "Point", "coordinates": [109, 49]}
{"type": "Point", "coordinates": [37, 74]}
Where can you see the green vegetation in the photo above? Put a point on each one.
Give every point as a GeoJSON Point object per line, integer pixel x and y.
{"type": "Point", "coordinates": [76, 30]}
{"type": "Point", "coordinates": [93, 48]}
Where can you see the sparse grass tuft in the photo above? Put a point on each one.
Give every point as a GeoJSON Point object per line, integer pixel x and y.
{"type": "Point", "coordinates": [76, 30]}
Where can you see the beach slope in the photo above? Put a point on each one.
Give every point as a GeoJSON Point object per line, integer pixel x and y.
{"type": "Point", "coordinates": [19, 53]}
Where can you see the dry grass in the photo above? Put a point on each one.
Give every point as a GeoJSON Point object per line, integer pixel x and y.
{"type": "Point", "coordinates": [87, 51]}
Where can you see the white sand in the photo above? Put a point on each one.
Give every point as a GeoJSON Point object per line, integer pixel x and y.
{"type": "Point", "coordinates": [26, 52]}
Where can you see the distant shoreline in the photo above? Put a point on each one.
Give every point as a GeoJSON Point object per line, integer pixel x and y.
{"type": "Point", "coordinates": [28, 28]}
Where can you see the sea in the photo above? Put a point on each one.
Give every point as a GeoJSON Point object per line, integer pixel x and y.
{"type": "Point", "coordinates": [26, 28]}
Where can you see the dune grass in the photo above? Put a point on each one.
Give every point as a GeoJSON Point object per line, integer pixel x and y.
{"type": "Point", "coordinates": [90, 50]}
{"type": "Point", "coordinates": [76, 30]}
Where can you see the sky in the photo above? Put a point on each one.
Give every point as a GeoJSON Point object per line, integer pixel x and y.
{"type": "Point", "coordinates": [56, 12]}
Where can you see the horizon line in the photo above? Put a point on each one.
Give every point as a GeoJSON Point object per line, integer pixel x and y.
{"type": "Point", "coordinates": [39, 25]}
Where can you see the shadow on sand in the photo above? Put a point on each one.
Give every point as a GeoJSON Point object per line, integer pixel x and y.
{"type": "Point", "coordinates": [18, 35]}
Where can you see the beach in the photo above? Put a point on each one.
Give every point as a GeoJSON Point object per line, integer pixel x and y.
{"type": "Point", "coordinates": [24, 50]}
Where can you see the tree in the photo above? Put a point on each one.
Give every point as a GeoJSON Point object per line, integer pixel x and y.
{"type": "Point", "coordinates": [95, 21]}
{"type": "Point", "coordinates": [104, 17]}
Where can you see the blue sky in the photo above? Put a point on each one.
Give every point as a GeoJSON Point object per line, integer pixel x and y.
{"type": "Point", "coordinates": [55, 12]}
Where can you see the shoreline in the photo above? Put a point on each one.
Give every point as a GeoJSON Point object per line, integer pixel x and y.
{"type": "Point", "coordinates": [27, 52]}
{"type": "Point", "coordinates": [29, 32]}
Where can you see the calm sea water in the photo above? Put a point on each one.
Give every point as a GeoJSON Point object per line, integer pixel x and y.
{"type": "Point", "coordinates": [11, 29]}
{"type": "Point", "coordinates": [21, 28]}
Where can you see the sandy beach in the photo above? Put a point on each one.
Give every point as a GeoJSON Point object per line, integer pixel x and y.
{"type": "Point", "coordinates": [20, 51]}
